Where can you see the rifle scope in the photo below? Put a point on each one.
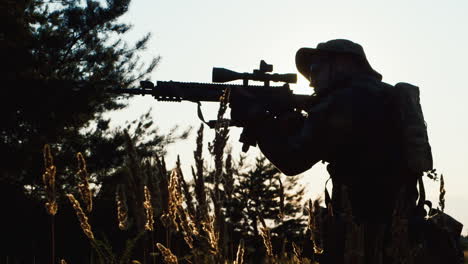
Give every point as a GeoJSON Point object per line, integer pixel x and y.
{"type": "Point", "coordinates": [222, 75]}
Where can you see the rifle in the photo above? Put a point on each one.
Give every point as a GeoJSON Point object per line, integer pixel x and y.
{"type": "Point", "coordinates": [274, 99]}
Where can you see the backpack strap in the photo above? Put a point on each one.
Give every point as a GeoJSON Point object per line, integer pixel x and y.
{"type": "Point", "coordinates": [327, 194]}
{"type": "Point", "coordinates": [422, 200]}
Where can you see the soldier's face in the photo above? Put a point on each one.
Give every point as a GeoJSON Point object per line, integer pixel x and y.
{"type": "Point", "coordinates": [320, 76]}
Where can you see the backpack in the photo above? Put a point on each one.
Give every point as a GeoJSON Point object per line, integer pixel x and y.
{"type": "Point", "coordinates": [412, 127]}
{"type": "Point", "coordinates": [431, 237]}
{"type": "Point", "coordinates": [436, 233]}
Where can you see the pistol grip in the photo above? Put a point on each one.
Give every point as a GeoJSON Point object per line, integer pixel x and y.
{"type": "Point", "coordinates": [248, 137]}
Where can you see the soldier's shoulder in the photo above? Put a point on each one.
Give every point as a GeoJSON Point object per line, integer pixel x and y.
{"type": "Point", "coordinates": [370, 87]}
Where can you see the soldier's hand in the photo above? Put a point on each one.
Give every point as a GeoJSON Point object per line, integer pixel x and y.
{"type": "Point", "coordinates": [247, 113]}
{"type": "Point", "coordinates": [290, 121]}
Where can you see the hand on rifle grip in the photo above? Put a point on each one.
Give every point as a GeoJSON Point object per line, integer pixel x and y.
{"type": "Point", "coordinates": [247, 113]}
{"type": "Point", "coordinates": [249, 138]}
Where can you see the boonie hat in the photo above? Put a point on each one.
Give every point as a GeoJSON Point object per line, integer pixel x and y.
{"type": "Point", "coordinates": [305, 56]}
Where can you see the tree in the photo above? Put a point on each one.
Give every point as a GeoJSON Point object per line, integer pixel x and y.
{"type": "Point", "coordinates": [262, 194]}
{"type": "Point", "coordinates": [59, 57]}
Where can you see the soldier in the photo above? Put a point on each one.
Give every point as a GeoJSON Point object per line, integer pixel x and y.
{"type": "Point", "coordinates": [356, 130]}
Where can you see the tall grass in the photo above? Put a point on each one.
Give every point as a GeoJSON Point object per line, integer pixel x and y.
{"type": "Point", "coordinates": [160, 201]}
{"type": "Point", "coordinates": [48, 178]}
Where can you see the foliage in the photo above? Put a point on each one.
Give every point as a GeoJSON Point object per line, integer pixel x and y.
{"type": "Point", "coordinates": [260, 192]}
{"type": "Point", "coordinates": [464, 242]}
{"type": "Point", "coordinates": [57, 58]}
{"type": "Point", "coordinates": [190, 220]}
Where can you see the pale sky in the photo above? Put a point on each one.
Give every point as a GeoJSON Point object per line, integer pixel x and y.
{"type": "Point", "coordinates": [421, 42]}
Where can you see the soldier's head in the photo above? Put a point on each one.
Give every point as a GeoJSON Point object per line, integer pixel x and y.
{"type": "Point", "coordinates": [331, 62]}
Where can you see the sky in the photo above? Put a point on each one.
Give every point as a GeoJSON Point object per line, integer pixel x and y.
{"type": "Point", "coordinates": [420, 42]}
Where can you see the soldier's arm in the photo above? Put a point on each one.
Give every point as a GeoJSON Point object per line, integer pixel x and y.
{"type": "Point", "coordinates": [296, 146]}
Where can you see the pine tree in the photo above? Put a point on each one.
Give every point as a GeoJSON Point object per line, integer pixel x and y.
{"type": "Point", "coordinates": [58, 56]}
{"type": "Point", "coordinates": [57, 59]}
{"type": "Point", "coordinates": [262, 193]}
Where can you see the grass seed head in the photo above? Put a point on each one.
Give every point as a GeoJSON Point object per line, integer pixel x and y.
{"type": "Point", "coordinates": [213, 235]}
{"type": "Point", "coordinates": [174, 202]}
{"type": "Point", "coordinates": [297, 253]}
{"type": "Point", "coordinates": [48, 179]}
{"type": "Point", "coordinates": [266, 236]}
{"type": "Point", "coordinates": [169, 257]}
{"type": "Point", "coordinates": [442, 193]}
{"type": "Point", "coordinates": [240, 252]}
{"type": "Point", "coordinates": [83, 186]}
{"type": "Point", "coordinates": [188, 225]}
{"type": "Point", "coordinates": [122, 208]}
{"type": "Point", "coordinates": [85, 226]}
{"type": "Point", "coordinates": [148, 210]}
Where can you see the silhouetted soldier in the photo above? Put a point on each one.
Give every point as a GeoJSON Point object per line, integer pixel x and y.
{"type": "Point", "coordinates": [376, 149]}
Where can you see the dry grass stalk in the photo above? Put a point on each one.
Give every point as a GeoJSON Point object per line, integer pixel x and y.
{"type": "Point", "coordinates": [187, 219]}
{"type": "Point", "coordinates": [122, 208]}
{"type": "Point", "coordinates": [314, 224]}
{"type": "Point", "coordinates": [213, 235]}
{"type": "Point", "coordinates": [160, 182]}
{"type": "Point", "coordinates": [188, 226]}
{"type": "Point", "coordinates": [174, 201]}
{"type": "Point", "coordinates": [442, 193]}
{"type": "Point", "coordinates": [83, 186]}
{"type": "Point", "coordinates": [176, 216]}
{"type": "Point", "coordinates": [81, 217]}
{"type": "Point", "coordinates": [266, 236]}
{"type": "Point", "coordinates": [169, 257]}
{"type": "Point", "coordinates": [135, 181]}
{"type": "Point", "coordinates": [281, 195]}
{"type": "Point", "coordinates": [149, 213]}
{"type": "Point", "coordinates": [217, 150]}
{"type": "Point", "coordinates": [221, 123]}
{"type": "Point", "coordinates": [240, 252]}
{"type": "Point", "coordinates": [297, 253]}
{"type": "Point", "coordinates": [199, 179]}
{"type": "Point", "coordinates": [219, 143]}
{"type": "Point", "coordinates": [49, 181]}
{"type": "Point", "coordinates": [186, 189]}
{"type": "Point", "coordinates": [228, 179]}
